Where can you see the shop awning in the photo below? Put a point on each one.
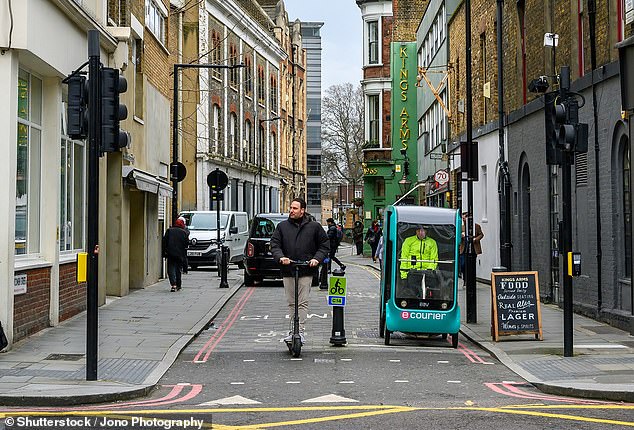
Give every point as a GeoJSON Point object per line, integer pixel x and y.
{"type": "Point", "coordinates": [145, 181]}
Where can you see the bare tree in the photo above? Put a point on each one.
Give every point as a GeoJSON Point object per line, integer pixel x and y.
{"type": "Point", "coordinates": [342, 136]}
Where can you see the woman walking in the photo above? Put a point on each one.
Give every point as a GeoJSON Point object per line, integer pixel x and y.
{"type": "Point", "coordinates": [372, 236]}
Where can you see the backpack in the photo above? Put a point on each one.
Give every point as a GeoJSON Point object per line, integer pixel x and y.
{"type": "Point", "coordinates": [339, 235]}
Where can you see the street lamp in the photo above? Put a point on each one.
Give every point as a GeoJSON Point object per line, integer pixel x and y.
{"type": "Point", "coordinates": [174, 177]}
{"type": "Point", "coordinates": [261, 150]}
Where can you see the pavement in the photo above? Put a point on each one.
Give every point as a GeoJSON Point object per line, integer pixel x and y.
{"type": "Point", "coordinates": [141, 335]}
{"type": "Point", "coordinates": [602, 365]}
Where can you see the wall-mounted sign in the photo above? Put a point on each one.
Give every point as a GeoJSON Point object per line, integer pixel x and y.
{"type": "Point", "coordinates": [19, 284]}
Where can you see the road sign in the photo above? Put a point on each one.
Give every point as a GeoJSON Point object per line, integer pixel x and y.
{"type": "Point", "coordinates": [217, 180]}
{"type": "Point", "coordinates": [337, 291]}
{"type": "Point", "coordinates": [442, 177]}
{"type": "Point", "coordinates": [178, 171]}
{"type": "Point", "coordinates": [336, 301]}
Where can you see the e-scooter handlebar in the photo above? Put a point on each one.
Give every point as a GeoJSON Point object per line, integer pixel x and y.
{"type": "Point", "coordinates": [300, 263]}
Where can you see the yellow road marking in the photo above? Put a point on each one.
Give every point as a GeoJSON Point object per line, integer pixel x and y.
{"type": "Point", "coordinates": [370, 270]}
{"type": "Point", "coordinates": [556, 416]}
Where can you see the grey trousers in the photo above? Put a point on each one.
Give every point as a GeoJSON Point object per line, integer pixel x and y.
{"type": "Point", "coordinates": [302, 297]}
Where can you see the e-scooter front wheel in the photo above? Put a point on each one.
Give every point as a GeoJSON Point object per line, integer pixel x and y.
{"type": "Point", "coordinates": [296, 346]}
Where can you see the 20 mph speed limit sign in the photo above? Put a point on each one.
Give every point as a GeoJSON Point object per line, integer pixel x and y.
{"type": "Point", "coordinates": [442, 177]}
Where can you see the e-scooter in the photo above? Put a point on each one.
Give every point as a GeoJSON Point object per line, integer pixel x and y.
{"type": "Point", "coordinates": [295, 344]}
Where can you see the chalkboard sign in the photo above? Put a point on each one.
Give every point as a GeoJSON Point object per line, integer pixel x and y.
{"type": "Point", "coordinates": [515, 304]}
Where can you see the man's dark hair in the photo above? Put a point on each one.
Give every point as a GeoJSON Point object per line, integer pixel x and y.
{"type": "Point", "coordinates": [330, 221]}
{"type": "Point", "coordinates": [302, 202]}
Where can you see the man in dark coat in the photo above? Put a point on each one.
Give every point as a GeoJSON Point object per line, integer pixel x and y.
{"type": "Point", "coordinates": [334, 243]}
{"type": "Point", "coordinates": [175, 242]}
{"type": "Point", "coordinates": [357, 236]}
{"type": "Point", "coordinates": [299, 239]}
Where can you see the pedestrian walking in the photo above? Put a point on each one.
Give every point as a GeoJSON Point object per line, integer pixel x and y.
{"type": "Point", "coordinates": [357, 236]}
{"type": "Point", "coordinates": [175, 241]}
{"type": "Point", "coordinates": [477, 237]}
{"type": "Point", "coordinates": [299, 239]}
{"type": "Point", "coordinates": [335, 235]}
{"type": "Point", "coordinates": [372, 236]}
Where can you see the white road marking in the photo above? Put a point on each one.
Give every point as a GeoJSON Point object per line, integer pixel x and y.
{"type": "Point", "coordinates": [237, 383]}
{"type": "Point", "coordinates": [296, 359]}
{"type": "Point", "coordinates": [401, 381]}
{"type": "Point", "coordinates": [395, 361]}
{"type": "Point", "coordinates": [346, 382]}
{"type": "Point", "coordinates": [330, 398]}
{"type": "Point", "coordinates": [454, 382]}
{"type": "Point", "coordinates": [234, 400]}
{"type": "Point", "coordinates": [442, 362]}
{"type": "Point", "coordinates": [346, 359]}
{"type": "Point", "coordinates": [246, 361]}
{"type": "Point", "coordinates": [601, 346]}
{"type": "Point", "coordinates": [293, 382]}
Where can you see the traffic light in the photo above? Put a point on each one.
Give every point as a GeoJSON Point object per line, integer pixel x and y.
{"type": "Point", "coordinates": [553, 112]}
{"type": "Point", "coordinates": [572, 135]}
{"type": "Point", "coordinates": [77, 107]}
{"type": "Point", "coordinates": [112, 84]}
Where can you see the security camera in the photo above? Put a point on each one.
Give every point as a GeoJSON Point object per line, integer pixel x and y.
{"type": "Point", "coordinates": [538, 85]}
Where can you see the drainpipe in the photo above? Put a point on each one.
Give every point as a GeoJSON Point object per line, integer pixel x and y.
{"type": "Point", "coordinates": [504, 181]}
{"type": "Point", "coordinates": [592, 15]}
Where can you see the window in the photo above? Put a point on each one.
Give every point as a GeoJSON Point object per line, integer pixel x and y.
{"type": "Point", "coordinates": [248, 138]}
{"type": "Point", "coordinates": [72, 194]}
{"type": "Point", "coordinates": [233, 136]}
{"type": "Point", "coordinates": [373, 120]}
{"type": "Point", "coordinates": [233, 61]}
{"type": "Point", "coordinates": [155, 19]}
{"type": "Point", "coordinates": [313, 165]}
{"type": "Point", "coordinates": [274, 163]}
{"type": "Point", "coordinates": [248, 76]}
{"type": "Point", "coordinates": [216, 143]}
{"type": "Point", "coordinates": [138, 78]}
{"type": "Point", "coordinates": [261, 87]}
{"type": "Point", "coordinates": [373, 42]}
{"type": "Point", "coordinates": [379, 187]}
{"type": "Point", "coordinates": [313, 197]}
{"type": "Point", "coordinates": [27, 181]}
{"type": "Point", "coordinates": [118, 13]}
{"type": "Point", "coordinates": [273, 94]}
{"type": "Point", "coordinates": [216, 54]}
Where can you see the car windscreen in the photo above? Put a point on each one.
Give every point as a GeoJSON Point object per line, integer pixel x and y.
{"type": "Point", "coordinates": [263, 228]}
{"type": "Point", "coordinates": [204, 221]}
{"type": "Point", "coordinates": [426, 264]}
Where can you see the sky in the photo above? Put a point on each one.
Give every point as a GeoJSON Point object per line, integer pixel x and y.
{"type": "Point", "coordinates": [341, 37]}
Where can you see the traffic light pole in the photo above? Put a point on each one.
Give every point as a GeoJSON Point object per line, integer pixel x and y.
{"type": "Point", "coordinates": [94, 139]}
{"type": "Point", "coordinates": [566, 241]}
{"type": "Point", "coordinates": [470, 263]}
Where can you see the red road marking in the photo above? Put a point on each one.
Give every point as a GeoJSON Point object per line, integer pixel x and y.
{"type": "Point", "coordinates": [211, 344]}
{"type": "Point", "coordinates": [510, 389]}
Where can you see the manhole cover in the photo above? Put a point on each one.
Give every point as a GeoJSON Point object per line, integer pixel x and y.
{"type": "Point", "coordinates": [65, 357]}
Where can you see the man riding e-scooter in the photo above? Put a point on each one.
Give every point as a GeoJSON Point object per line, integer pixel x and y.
{"type": "Point", "coordinates": [299, 239]}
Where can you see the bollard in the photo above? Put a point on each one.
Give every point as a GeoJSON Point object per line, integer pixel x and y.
{"type": "Point", "coordinates": [224, 262]}
{"type": "Point", "coordinates": [337, 292]}
{"type": "Point", "coordinates": [323, 274]}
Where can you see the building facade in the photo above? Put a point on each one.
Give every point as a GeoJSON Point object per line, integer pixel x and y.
{"type": "Point", "coordinates": [229, 116]}
{"type": "Point", "coordinates": [311, 41]}
{"type": "Point", "coordinates": [601, 202]}
{"type": "Point", "coordinates": [45, 174]}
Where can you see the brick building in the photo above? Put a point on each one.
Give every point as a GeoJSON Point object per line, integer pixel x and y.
{"type": "Point", "coordinates": [601, 188]}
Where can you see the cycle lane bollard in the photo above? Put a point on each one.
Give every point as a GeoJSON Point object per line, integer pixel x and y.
{"type": "Point", "coordinates": [337, 299]}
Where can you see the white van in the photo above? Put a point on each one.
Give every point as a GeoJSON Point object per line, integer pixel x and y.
{"type": "Point", "coordinates": [203, 235]}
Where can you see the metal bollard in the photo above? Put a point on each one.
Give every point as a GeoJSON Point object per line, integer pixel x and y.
{"type": "Point", "coordinates": [338, 337]}
{"type": "Point", "coordinates": [224, 262]}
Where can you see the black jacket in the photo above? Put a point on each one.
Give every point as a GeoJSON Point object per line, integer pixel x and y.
{"type": "Point", "coordinates": [175, 242]}
{"type": "Point", "coordinates": [302, 242]}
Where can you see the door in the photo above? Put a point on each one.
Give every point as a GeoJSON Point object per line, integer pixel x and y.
{"type": "Point", "coordinates": [240, 238]}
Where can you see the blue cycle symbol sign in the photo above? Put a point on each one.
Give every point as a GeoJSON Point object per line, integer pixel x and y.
{"type": "Point", "coordinates": [337, 291]}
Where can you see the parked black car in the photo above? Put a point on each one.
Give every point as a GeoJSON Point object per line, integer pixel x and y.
{"type": "Point", "coordinates": [258, 260]}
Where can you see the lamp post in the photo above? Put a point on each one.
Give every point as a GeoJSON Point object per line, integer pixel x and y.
{"type": "Point", "coordinates": [260, 158]}
{"type": "Point", "coordinates": [174, 177]}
